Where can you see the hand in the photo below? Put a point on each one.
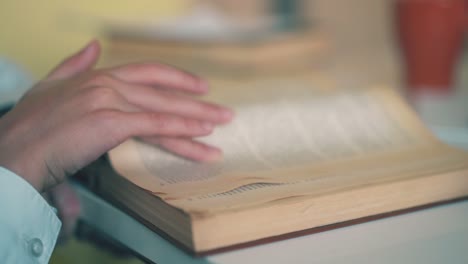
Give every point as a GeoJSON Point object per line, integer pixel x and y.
{"type": "Point", "coordinates": [77, 114]}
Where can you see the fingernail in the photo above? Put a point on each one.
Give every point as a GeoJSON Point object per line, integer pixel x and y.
{"type": "Point", "coordinates": [227, 114]}
{"type": "Point", "coordinates": [203, 85]}
{"type": "Point", "coordinates": [207, 126]}
{"type": "Point", "coordinates": [215, 155]}
{"type": "Point", "coordinates": [87, 47]}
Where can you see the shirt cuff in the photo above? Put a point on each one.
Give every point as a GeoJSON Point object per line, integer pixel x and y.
{"type": "Point", "coordinates": [28, 224]}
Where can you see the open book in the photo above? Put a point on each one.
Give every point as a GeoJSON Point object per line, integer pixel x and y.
{"type": "Point", "coordinates": [295, 159]}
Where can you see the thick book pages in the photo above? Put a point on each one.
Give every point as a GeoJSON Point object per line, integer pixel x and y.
{"type": "Point", "coordinates": [296, 158]}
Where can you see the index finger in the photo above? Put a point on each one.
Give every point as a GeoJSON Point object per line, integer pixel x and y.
{"type": "Point", "coordinates": [154, 74]}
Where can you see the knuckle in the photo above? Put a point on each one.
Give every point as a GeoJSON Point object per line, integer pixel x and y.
{"type": "Point", "coordinates": [100, 97]}
{"type": "Point", "coordinates": [105, 115]}
{"type": "Point", "coordinates": [161, 122]}
{"type": "Point", "coordinates": [109, 124]}
{"type": "Point", "coordinates": [156, 66]}
{"type": "Point", "coordinates": [164, 96]}
{"type": "Point", "coordinates": [144, 67]}
{"type": "Point", "coordinates": [190, 125]}
{"type": "Point", "coordinates": [207, 108]}
{"type": "Point", "coordinates": [174, 74]}
{"type": "Point", "coordinates": [100, 78]}
{"type": "Point", "coordinates": [179, 77]}
{"type": "Point", "coordinates": [187, 78]}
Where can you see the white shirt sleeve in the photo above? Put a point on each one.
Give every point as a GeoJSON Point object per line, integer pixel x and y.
{"type": "Point", "coordinates": [28, 225]}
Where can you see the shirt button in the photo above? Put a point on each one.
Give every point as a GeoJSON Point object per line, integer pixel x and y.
{"type": "Point", "coordinates": [36, 247]}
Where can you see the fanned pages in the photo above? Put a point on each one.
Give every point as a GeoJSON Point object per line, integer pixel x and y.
{"type": "Point", "coordinates": [282, 139]}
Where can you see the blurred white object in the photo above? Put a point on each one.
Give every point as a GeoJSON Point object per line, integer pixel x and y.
{"type": "Point", "coordinates": [14, 81]}
{"type": "Point", "coordinates": [204, 22]}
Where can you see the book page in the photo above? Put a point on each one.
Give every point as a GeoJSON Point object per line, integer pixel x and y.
{"type": "Point", "coordinates": [277, 133]}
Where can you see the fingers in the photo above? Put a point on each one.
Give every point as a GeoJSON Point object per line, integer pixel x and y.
{"type": "Point", "coordinates": [146, 124]}
{"type": "Point", "coordinates": [111, 127]}
{"type": "Point", "coordinates": [122, 111]}
{"type": "Point", "coordinates": [166, 102]}
{"type": "Point", "coordinates": [152, 74]}
{"type": "Point", "coordinates": [124, 103]}
{"type": "Point", "coordinates": [187, 148]}
{"type": "Point", "coordinates": [77, 63]}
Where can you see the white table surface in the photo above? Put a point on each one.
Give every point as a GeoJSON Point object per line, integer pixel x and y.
{"type": "Point", "coordinates": [436, 235]}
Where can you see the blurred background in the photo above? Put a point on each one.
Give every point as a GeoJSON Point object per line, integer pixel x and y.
{"type": "Point", "coordinates": [415, 46]}
{"type": "Point", "coordinates": [38, 35]}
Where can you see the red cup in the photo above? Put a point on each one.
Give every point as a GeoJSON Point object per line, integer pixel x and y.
{"type": "Point", "coordinates": [431, 34]}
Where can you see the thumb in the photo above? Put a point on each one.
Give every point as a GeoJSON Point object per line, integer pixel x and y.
{"type": "Point", "coordinates": [81, 61]}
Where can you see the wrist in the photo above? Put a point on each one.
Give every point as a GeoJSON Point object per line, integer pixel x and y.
{"type": "Point", "coordinates": [22, 169]}
{"type": "Point", "coordinates": [19, 159]}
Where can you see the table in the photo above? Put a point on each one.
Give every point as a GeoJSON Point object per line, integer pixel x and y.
{"type": "Point", "coordinates": [436, 235]}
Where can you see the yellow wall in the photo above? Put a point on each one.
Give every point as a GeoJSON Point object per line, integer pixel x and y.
{"type": "Point", "coordinates": [38, 34]}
